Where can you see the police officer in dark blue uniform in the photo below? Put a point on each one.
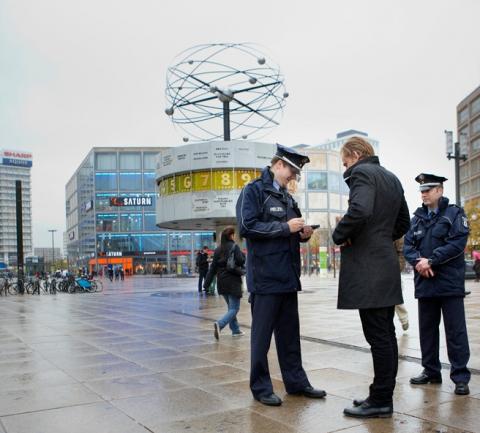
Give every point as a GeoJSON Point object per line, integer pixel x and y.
{"type": "Point", "coordinates": [270, 220]}
{"type": "Point", "coordinates": [435, 246]}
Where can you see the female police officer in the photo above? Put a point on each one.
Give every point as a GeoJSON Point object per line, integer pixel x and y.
{"type": "Point", "coordinates": [271, 222]}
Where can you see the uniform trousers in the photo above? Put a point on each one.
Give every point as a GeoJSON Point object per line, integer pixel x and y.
{"type": "Point", "coordinates": [379, 332]}
{"type": "Point", "coordinates": [277, 314]}
{"type": "Point", "coordinates": [429, 312]}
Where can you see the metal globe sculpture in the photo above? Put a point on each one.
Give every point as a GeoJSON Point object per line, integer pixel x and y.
{"type": "Point", "coordinates": [234, 82]}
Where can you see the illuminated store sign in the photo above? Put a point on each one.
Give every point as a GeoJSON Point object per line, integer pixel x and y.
{"type": "Point", "coordinates": [131, 201]}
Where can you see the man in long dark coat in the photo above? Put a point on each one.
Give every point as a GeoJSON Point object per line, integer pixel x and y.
{"type": "Point", "coordinates": [370, 275]}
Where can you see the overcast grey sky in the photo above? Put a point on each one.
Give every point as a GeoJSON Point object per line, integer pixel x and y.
{"type": "Point", "coordinates": [77, 74]}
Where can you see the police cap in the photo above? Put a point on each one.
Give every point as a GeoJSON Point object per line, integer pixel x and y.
{"type": "Point", "coordinates": [291, 157]}
{"type": "Point", "coordinates": [428, 181]}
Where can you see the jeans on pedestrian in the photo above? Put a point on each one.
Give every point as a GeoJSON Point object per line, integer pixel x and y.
{"type": "Point", "coordinates": [230, 318]}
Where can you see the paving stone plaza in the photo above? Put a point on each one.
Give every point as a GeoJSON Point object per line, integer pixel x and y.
{"type": "Point", "coordinates": [140, 357]}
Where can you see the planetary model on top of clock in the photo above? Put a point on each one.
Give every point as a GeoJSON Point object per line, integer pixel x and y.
{"type": "Point", "coordinates": [234, 82]}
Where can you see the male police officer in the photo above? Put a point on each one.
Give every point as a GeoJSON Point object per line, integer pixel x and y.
{"type": "Point", "coordinates": [271, 222]}
{"type": "Point", "coordinates": [435, 246]}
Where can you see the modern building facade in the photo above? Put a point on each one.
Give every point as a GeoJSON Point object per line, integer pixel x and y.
{"type": "Point", "coordinates": [14, 165]}
{"type": "Point", "coordinates": [468, 133]}
{"type": "Point", "coordinates": [111, 220]}
{"type": "Point", "coordinates": [343, 136]}
{"type": "Point", "coordinates": [48, 254]}
{"type": "Point", "coordinates": [322, 195]}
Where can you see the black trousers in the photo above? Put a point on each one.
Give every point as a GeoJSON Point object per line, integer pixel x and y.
{"type": "Point", "coordinates": [277, 314]}
{"type": "Point", "coordinates": [429, 312]}
{"type": "Point", "coordinates": [379, 331]}
{"type": "Point", "coordinates": [201, 277]}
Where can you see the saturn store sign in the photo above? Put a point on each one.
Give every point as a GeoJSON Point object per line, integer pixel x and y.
{"type": "Point", "coordinates": [131, 201]}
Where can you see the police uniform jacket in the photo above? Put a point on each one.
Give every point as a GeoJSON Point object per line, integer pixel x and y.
{"type": "Point", "coordinates": [273, 253]}
{"type": "Point", "coordinates": [227, 282]}
{"type": "Point", "coordinates": [442, 239]}
{"type": "Point", "coordinates": [377, 215]}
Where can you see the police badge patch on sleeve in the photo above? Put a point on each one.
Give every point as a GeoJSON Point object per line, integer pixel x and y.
{"type": "Point", "coordinates": [465, 222]}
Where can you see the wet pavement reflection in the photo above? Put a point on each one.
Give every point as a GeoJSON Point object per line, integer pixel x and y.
{"type": "Point", "coordinates": [141, 357]}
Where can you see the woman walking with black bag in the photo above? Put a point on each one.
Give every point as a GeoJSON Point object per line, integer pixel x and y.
{"type": "Point", "coordinates": [228, 264]}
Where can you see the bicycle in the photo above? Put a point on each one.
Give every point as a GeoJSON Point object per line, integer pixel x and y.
{"type": "Point", "coordinates": [15, 288]}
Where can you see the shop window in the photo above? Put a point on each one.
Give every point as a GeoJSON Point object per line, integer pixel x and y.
{"type": "Point", "coordinates": [105, 181]}
{"type": "Point", "coordinates": [150, 222]}
{"type": "Point", "coordinates": [106, 161]}
{"type": "Point", "coordinates": [149, 161]}
{"type": "Point", "coordinates": [130, 181]}
{"type": "Point", "coordinates": [317, 180]}
{"type": "Point", "coordinates": [131, 222]}
{"type": "Point", "coordinates": [107, 222]}
{"type": "Point", "coordinates": [149, 181]}
{"type": "Point", "coordinates": [130, 161]}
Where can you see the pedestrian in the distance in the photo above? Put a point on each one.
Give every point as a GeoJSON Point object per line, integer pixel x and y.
{"type": "Point", "coordinates": [229, 283]}
{"type": "Point", "coordinates": [202, 266]}
{"type": "Point", "coordinates": [401, 310]}
{"type": "Point", "coordinates": [476, 264]}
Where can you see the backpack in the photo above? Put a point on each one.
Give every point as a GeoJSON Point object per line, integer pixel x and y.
{"type": "Point", "coordinates": [232, 266]}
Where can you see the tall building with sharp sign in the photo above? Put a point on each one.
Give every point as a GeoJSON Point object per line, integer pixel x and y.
{"type": "Point", "coordinates": [14, 165]}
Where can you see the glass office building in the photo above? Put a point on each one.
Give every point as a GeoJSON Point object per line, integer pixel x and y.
{"type": "Point", "coordinates": [110, 211]}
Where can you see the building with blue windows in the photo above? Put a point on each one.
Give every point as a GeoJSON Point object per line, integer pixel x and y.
{"type": "Point", "coordinates": [110, 212]}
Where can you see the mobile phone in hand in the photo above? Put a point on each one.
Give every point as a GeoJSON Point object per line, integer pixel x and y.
{"type": "Point", "coordinates": [313, 226]}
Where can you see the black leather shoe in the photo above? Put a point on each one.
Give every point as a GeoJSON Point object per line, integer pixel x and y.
{"type": "Point", "coordinates": [461, 388]}
{"type": "Point", "coordinates": [423, 379]}
{"type": "Point", "coordinates": [311, 392]}
{"type": "Point", "coordinates": [367, 410]}
{"type": "Point", "coordinates": [359, 401]}
{"type": "Point", "coordinates": [270, 400]}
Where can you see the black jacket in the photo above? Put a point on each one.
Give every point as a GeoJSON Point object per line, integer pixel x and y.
{"type": "Point", "coordinates": [273, 253]}
{"type": "Point", "coordinates": [441, 239]}
{"type": "Point", "coordinates": [227, 283]}
{"type": "Point", "coordinates": [377, 215]}
{"type": "Point", "coordinates": [202, 261]}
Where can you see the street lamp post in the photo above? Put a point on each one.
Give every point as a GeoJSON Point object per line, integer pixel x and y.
{"type": "Point", "coordinates": [455, 152]}
{"type": "Point", "coordinates": [52, 231]}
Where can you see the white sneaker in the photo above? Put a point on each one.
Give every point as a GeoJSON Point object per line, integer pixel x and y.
{"type": "Point", "coordinates": [216, 331]}
{"type": "Point", "coordinates": [238, 334]}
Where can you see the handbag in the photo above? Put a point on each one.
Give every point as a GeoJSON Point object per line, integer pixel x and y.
{"type": "Point", "coordinates": [232, 266]}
